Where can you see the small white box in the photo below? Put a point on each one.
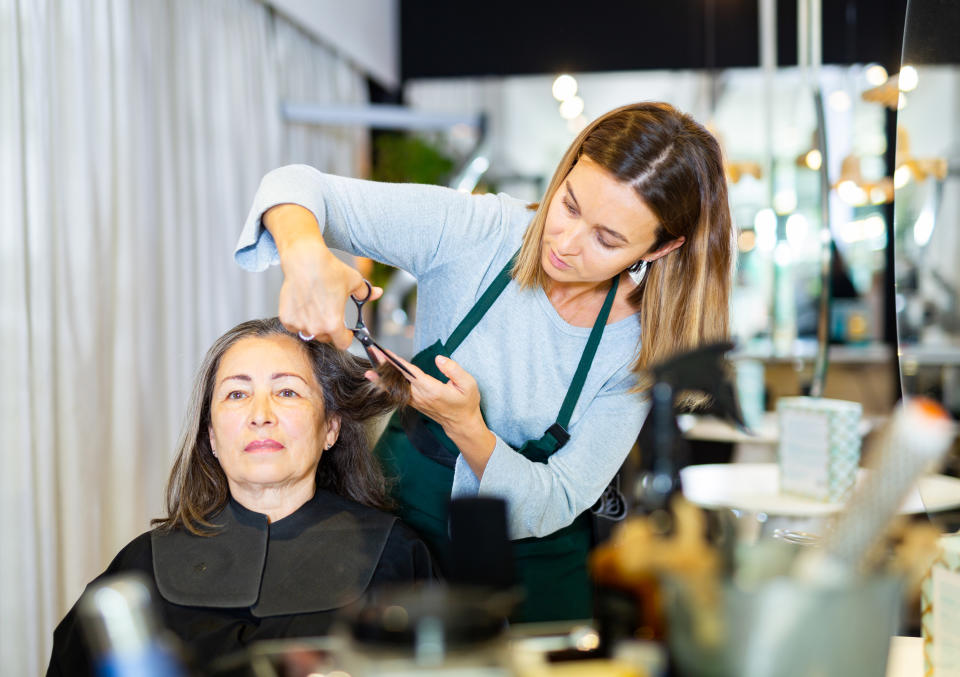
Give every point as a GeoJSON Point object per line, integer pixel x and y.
{"type": "Point", "coordinates": [819, 447]}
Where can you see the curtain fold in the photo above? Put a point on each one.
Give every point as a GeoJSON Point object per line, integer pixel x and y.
{"type": "Point", "coordinates": [132, 138]}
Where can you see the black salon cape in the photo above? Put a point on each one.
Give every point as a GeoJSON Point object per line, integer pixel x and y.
{"type": "Point", "coordinates": [254, 580]}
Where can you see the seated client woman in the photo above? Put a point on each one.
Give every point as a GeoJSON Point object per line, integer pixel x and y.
{"type": "Point", "coordinates": [275, 504]}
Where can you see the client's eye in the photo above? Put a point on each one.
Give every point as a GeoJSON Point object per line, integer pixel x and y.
{"type": "Point", "coordinates": [288, 392]}
{"type": "Point", "coordinates": [236, 395]}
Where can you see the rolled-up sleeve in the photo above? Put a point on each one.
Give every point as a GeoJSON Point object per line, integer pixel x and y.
{"type": "Point", "coordinates": [293, 184]}
{"type": "Point", "coordinates": [411, 226]}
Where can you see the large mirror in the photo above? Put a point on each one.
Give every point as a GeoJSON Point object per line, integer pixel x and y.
{"type": "Point", "coordinates": [927, 223]}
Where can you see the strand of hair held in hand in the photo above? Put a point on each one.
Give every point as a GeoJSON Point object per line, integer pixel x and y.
{"type": "Point", "coordinates": [393, 382]}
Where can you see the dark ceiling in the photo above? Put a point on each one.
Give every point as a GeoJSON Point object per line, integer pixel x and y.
{"type": "Point", "coordinates": [496, 37]}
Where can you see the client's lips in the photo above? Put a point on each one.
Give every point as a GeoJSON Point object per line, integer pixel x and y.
{"type": "Point", "coordinates": [263, 445]}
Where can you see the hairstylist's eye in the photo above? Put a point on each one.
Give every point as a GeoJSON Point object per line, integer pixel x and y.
{"type": "Point", "coordinates": [570, 208]}
{"type": "Point", "coordinates": [603, 242]}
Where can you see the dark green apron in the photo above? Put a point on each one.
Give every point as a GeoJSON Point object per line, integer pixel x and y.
{"type": "Point", "coordinates": [418, 459]}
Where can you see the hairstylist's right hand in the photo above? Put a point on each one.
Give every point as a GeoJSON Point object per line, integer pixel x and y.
{"type": "Point", "coordinates": [316, 284]}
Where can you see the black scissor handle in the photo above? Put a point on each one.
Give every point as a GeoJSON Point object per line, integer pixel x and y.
{"type": "Point", "coordinates": [366, 298]}
{"type": "Point", "coordinates": [359, 304]}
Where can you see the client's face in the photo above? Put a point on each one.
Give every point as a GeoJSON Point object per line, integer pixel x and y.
{"type": "Point", "coordinates": [267, 423]}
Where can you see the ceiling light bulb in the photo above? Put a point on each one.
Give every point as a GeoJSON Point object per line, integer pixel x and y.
{"type": "Point", "coordinates": [571, 108]}
{"type": "Point", "coordinates": [564, 87]}
{"type": "Point", "coordinates": [908, 79]}
{"type": "Point", "coordinates": [902, 176]}
{"type": "Point", "coordinates": [876, 74]}
{"type": "Point", "coordinates": [813, 159]}
{"type": "Point", "coordinates": [851, 193]}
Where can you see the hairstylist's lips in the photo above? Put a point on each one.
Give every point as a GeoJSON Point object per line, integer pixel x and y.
{"type": "Point", "coordinates": [557, 263]}
{"type": "Point", "coordinates": [263, 445]}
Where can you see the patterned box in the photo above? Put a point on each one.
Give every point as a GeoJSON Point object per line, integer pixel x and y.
{"type": "Point", "coordinates": [819, 447]}
{"type": "Point", "coordinates": [940, 611]}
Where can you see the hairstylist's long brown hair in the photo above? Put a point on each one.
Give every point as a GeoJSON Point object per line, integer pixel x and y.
{"type": "Point", "coordinates": [198, 487]}
{"type": "Point", "coordinates": [675, 165]}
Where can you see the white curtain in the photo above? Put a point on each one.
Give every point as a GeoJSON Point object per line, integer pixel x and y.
{"type": "Point", "coordinates": [132, 138]}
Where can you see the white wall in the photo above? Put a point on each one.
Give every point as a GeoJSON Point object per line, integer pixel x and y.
{"type": "Point", "coordinates": [366, 32]}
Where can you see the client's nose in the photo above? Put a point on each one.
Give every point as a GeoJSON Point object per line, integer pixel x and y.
{"type": "Point", "coordinates": [262, 411]}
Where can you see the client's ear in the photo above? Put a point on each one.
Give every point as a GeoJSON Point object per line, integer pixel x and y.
{"type": "Point", "coordinates": [213, 445]}
{"type": "Point", "coordinates": [333, 432]}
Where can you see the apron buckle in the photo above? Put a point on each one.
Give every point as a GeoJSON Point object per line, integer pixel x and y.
{"type": "Point", "coordinates": [559, 434]}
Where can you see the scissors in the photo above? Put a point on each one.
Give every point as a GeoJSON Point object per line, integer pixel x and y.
{"type": "Point", "coordinates": [362, 334]}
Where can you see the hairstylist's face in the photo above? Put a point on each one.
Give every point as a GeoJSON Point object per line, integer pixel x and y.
{"type": "Point", "coordinates": [596, 227]}
{"type": "Point", "coordinates": [267, 423]}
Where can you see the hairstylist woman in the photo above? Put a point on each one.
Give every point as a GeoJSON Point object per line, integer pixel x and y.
{"type": "Point", "coordinates": [531, 334]}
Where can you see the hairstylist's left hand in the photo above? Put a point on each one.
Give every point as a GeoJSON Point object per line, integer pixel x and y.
{"type": "Point", "coordinates": [455, 405]}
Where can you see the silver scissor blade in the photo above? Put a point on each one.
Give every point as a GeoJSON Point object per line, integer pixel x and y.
{"type": "Point", "coordinates": [366, 340]}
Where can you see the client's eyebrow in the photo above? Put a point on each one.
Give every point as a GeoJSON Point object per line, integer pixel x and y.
{"type": "Point", "coordinates": [288, 373]}
{"type": "Point", "coordinates": [281, 374]}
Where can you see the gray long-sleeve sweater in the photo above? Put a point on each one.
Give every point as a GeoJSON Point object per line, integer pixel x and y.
{"type": "Point", "coordinates": [522, 353]}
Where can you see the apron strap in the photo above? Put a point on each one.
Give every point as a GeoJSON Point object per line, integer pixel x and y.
{"type": "Point", "coordinates": [480, 308]}
{"type": "Point", "coordinates": [580, 376]}
{"type": "Point", "coordinates": [558, 431]}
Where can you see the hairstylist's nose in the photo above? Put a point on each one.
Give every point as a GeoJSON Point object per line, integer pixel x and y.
{"type": "Point", "coordinates": [568, 240]}
{"type": "Point", "coordinates": [262, 412]}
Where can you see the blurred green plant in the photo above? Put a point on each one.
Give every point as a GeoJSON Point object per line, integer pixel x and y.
{"type": "Point", "coordinates": [407, 158]}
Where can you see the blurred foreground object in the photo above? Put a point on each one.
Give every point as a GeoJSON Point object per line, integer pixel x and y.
{"type": "Point", "coordinates": [665, 533]}
{"type": "Point", "coordinates": [940, 601]}
{"type": "Point", "coordinates": [437, 629]}
{"type": "Point", "coordinates": [480, 549]}
{"type": "Point", "coordinates": [760, 609]}
{"type": "Point", "coordinates": [122, 628]}
{"type": "Point", "coordinates": [699, 377]}
{"type": "Point", "coordinates": [834, 630]}
{"type": "Point", "coordinates": [640, 554]}
{"type": "Point", "coordinates": [451, 629]}
{"type": "Point", "coordinates": [913, 442]}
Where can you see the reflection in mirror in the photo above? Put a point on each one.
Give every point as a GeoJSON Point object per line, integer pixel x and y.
{"type": "Point", "coordinates": [927, 215]}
